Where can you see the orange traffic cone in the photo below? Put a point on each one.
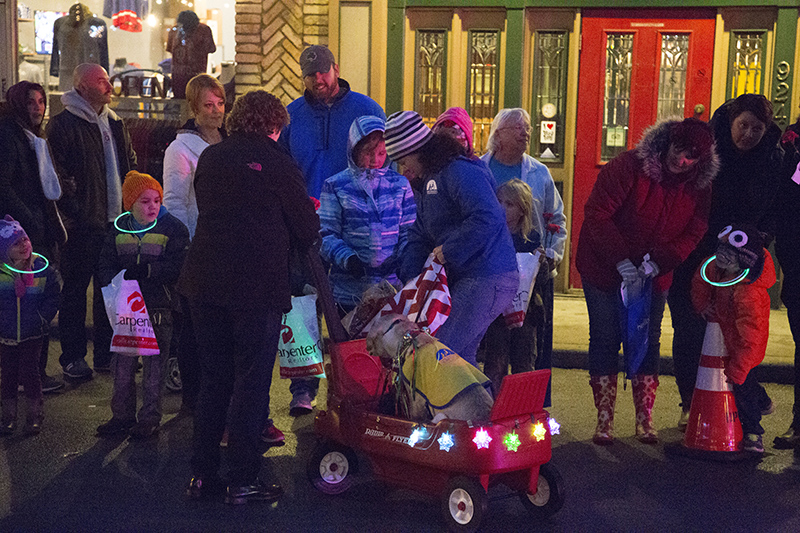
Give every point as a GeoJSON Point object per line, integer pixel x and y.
{"type": "Point", "coordinates": [714, 429]}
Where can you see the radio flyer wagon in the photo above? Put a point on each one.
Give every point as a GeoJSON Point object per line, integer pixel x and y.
{"type": "Point", "coordinates": [454, 460]}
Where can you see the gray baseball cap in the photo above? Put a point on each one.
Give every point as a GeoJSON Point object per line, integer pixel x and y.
{"type": "Point", "coordinates": [316, 58]}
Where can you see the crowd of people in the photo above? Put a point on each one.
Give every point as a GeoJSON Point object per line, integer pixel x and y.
{"type": "Point", "coordinates": [218, 248]}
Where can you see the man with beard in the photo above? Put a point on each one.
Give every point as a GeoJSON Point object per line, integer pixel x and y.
{"type": "Point", "coordinates": [316, 137]}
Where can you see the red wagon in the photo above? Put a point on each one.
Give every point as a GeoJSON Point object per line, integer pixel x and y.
{"type": "Point", "coordinates": [455, 460]}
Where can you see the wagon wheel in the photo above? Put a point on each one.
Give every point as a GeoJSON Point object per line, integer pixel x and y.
{"type": "Point", "coordinates": [463, 504]}
{"type": "Point", "coordinates": [549, 495]}
{"type": "Point", "coordinates": [331, 468]}
{"type": "Point", "coordinates": [172, 379]}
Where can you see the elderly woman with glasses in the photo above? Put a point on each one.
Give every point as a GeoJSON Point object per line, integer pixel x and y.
{"type": "Point", "coordinates": [507, 159]}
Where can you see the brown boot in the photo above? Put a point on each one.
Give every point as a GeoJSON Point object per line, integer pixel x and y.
{"type": "Point", "coordinates": [604, 389]}
{"type": "Point", "coordinates": [644, 396]}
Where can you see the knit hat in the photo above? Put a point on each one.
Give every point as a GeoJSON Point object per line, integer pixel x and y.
{"type": "Point", "coordinates": [692, 134]}
{"type": "Point", "coordinates": [316, 58]}
{"type": "Point", "coordinates": [10, 232]}
{"type": "Point", "coordinates": [405, 134]}
{"type": "Point", "coordinates": [135, 184]}
{"type": "Point", "coordinates": [746, 240]}
{"type": "Point", "coordinates": [460, 117]}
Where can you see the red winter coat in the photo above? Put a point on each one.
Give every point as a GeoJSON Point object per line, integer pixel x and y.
{"type": "Point", "coordinates": [638, 207]}
{"type": "Point", "coordinates": [742, 311]}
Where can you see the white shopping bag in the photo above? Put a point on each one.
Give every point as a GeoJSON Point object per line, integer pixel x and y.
{"type": "Point", "coordinates": [300, 344]}
{"type": "Point", "coordinates": [133, 332]}
{"type": "Point", "coordinates": [528, 266]}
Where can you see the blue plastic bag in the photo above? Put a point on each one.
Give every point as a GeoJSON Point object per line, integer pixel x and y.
{"type": "Point", "coordinates": [635, 323]}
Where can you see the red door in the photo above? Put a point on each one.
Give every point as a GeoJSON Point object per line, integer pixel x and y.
{"type": "Point", "coordinates": [636, 67]}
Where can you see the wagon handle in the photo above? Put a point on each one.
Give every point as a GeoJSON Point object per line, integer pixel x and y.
{"type": "Point", "coordinates": [336, 330]}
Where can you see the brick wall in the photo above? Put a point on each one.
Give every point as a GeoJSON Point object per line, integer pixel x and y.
{"type": "Point", "coordinates": [270, 35]}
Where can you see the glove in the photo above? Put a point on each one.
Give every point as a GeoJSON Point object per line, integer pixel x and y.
{"type": "Point", "coordinates": [628, 272]}
{"type": "Point", "coordinates": [354, 266]}
{"type": "Point", "coordinates": [648, 268]}
{"type": "Point", "coordinates": [141, 271]}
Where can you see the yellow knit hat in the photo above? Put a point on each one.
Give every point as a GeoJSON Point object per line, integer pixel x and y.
{"type": "Point", "coordinates": [135, 184]}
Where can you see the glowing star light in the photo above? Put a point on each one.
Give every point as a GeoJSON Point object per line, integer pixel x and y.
{"type": "Point", "coordinates": [511, 441]}
{"type": "Point", "coordinates": [417, 434]}
{"type": "Point", "coordinates": [482, 439]}
{"type": "Point", "coordinates": [446, 442]}
{"type": "Point", "coordinates": [555, 427]}
{"type": "Point", "coordinates": [539, 432]}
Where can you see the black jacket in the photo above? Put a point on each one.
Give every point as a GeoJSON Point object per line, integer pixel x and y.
{"type": "Point", "coordinates": [746, 185]}
{"type": "Point", "coordinates": [253, 207]}
{"type": "Point", "coordinates": [787, 238]}
{"type": "Point", "coordinates": [21, 194]}
{"type": "Point", "coordinates": [78, 156]}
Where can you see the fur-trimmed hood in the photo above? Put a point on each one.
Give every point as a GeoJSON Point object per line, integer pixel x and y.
{"type": "Point", "coordinates": [653, 147]}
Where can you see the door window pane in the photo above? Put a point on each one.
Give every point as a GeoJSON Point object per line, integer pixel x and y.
{"type": "Point", "coordinates": [550, 82]}
{"type": "Point", "coordinates": [616, 103]}
{"type": "Point", "coordinates": [747, 63]}
{"type": "Point", "coordinates": [484, 54]}
{"type": "Point", "coordinates": [429, 74]}
{"type": "Point", "coordinates": [672, 75]}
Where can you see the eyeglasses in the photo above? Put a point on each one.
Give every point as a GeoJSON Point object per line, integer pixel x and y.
{"type": "Point", "coordinates": [519, 127]}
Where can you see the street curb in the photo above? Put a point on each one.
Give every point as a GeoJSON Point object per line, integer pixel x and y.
{"type": "Point", "coordinates": [767, 372]}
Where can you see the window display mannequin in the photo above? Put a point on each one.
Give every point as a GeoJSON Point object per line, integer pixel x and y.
{"type": "Point", "coordinates": [78, 37]}
{"type": "Point", "coordinates": [190, 41]}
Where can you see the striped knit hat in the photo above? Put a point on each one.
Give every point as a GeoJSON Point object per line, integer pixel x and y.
{"type": "Point", "coordinates": [405, 134]}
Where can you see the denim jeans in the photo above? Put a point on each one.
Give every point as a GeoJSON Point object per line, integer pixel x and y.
{"type": "Point", "coordinates": [475, 303]}
{"type": "Point", "coordinates": [123, 397]}
{"type": "Point", "coordinates": [237, 348]}
{"type": "Point", "coordinates": [605, 334]}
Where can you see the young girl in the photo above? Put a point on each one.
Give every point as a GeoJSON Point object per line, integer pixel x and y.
{"type": "Point", "coordinates": [516, 346]}
{"type": "Point", "coordinates": [29, 290]}
{"type": "Point", "coordinates": [730, 288]}
{"type": "Point", "coordinates": [150, 245]}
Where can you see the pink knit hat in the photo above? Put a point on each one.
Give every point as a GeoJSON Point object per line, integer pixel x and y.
{"type": "Point", "coordinates": [460, 117]}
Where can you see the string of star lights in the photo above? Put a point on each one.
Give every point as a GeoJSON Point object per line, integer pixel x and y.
{"type": "Point", "coordinates": [446, 441]}
{"type": "Point", "coordinates": [728, 283]}
{"type": "Point", "coordinates": [116, 225]}
{"type": "Point", "coordinates": [36, 271]}
{"type": "Point", "coordinates": [418, 433]}
{"type": "Point", "coordinates": [483, 439]}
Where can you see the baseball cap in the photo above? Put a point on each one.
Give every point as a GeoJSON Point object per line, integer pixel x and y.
{"type": "Point", "coordinates": [316, 58]}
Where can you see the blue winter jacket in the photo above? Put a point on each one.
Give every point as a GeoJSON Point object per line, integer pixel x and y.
{"type": "Point", "coordinates": [28, 317]}
{"type": "Point", "coordinates": [457, 208]}
{"type": "Point", "coordinates": [371, 222]}
{"type": "Point", "coordinates": [317, 134]}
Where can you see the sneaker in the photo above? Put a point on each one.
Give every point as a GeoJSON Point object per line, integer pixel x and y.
{"type": "Point", "coordinates": [144, 430]}
{"type": "Point", "coordinates": [273, 436]}
{"type": "Point", "coordinates": [51, 384]}
{"type": "Point", "coordinates": [115, 426]}
{"type": "Point", "coordinates": [257, 492]}
{"type": "Point", "coordinates": [78, 370]}
{"type": "Point", "coordinates": [301, 405]}
{"type": "Point", "coordinates": [768, 410]}
{"type": "Point", "coordinates": [683, 421]}
{"type": "Point", "coordinates": [752, 443]}
{"type": "Point", "coordinates": [201, 488]}
{"type": "Point", "coordinates": [105, 368]}
{"type": "Point", "coordinates": [790, 439]}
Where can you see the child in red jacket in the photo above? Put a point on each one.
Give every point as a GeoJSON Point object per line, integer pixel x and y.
{"type": "Point", "coordinates": [730, 288]}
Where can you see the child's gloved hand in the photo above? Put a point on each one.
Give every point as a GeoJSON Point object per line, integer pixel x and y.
{"type": "Point", "coordinates": [141, 271]}
{"type": "Point", "coordinates": [648, 268]}
{"type": "Point", "coordinates": [354, 266]}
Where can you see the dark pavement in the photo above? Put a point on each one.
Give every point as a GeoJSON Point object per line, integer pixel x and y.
{"type": "Point", "coordinates": [66, 479]}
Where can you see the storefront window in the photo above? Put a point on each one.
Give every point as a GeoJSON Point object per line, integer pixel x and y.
{"type": "Point", "coordinates": [429, 74]}
{"type": "Point", "coordinates": [746, 63]}
{"type": "Point", "coordinates": [617, 99]}
{"type": "Point", "coordinates": [672, 75]}
{"type": "Point", "coordinates": [482, 83]}
{"type": "Point", "coordinates": [549, 102]}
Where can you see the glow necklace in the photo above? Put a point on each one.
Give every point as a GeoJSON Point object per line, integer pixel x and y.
{"type": "Point", "coordinates": [153, 225]}
{"type": "Point", "coordinates": [18, 271]}
{"type": "Point", "coordinates": [728, 283]}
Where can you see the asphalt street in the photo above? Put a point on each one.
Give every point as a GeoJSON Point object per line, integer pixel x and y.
{"type": "Point", "coordinates": [67, 479]}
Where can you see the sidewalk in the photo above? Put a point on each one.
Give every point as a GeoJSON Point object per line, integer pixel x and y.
{"type": "Point", "coordinates": [571, 340]}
